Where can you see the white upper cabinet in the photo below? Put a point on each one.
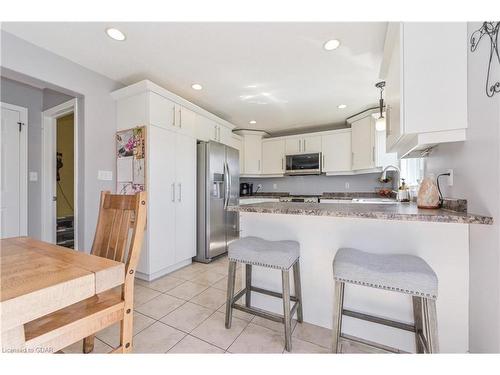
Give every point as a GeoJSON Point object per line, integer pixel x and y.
{"type": "Point", "coordinates": [251, 153]}
{"type": "Point", "coordinates": [185, 120]}
{"type": "Point", "coordinates": [293, 145]}
{"type": "Point", "coordinates": [336, 149]}
{"type": "Point", "coordinates": [302, 144]}
{"type": "Point", "coordinates": [273, 156]}
{"type": "Point", "coordinates": [426, 85]}
{"type": "Point", "coordinates": [311, 144]}
{"type": "Point", "coordinates": [363, 143]}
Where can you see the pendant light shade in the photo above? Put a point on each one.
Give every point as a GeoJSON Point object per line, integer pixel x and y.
{"type": "Point", "coordinates": [380, 124]}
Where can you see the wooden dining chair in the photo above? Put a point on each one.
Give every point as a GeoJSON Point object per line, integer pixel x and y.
{"type": "Point", "coordinates": [121, 222]}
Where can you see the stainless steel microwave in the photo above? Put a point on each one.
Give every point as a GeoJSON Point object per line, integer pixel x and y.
{"type": "Point", "coordinates": [303, 164]}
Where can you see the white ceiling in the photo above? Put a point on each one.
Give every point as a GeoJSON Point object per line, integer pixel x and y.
{"type": "Point", "coordinates": [275, 73]}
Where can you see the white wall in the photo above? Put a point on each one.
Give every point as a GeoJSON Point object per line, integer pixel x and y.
{"type": "Point", "coordinates": [476, 165]}
{"type": "Point", "coordinates": [93, 92]}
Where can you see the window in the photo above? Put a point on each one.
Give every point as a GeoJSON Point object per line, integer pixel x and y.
{"type": "Point", "coordinates": [412, 170]}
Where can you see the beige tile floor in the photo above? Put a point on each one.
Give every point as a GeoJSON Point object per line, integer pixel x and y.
{"type": "Point", "coordinates": [184, 313]}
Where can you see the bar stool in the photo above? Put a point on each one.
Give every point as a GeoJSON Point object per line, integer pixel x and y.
{"type": "Point", "coordinates": [406, 274]}
{"type": "Point", "coordinates": [282, 255]}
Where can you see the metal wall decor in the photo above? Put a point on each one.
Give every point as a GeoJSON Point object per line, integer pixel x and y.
{"type": "Point", "coordinates": [491, 30]}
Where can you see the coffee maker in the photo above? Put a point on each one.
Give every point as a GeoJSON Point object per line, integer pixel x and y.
{"type": "Point", "coordinates": [246, 189]}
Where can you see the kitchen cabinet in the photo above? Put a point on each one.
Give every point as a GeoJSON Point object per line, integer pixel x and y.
{"type": "Point", "coordinates": [419, 118]}
{"type": "Point", "coordinates": [171, 235]}
{"type": "Point", "coordinates": [273, 156]}
{"type": "Point", "coordinates": [363, 143]}
{"type": "Point", "coordinates": [171, 136]}
{"type": "Point", "coordinates": [336, 151]}
{"type": "Point", "coordinates": [302, 144]}
{"type": "Point", "coordinates": [251, 152]}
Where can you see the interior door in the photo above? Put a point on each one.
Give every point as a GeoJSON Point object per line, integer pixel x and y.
{"type": "Point", "coordinates": [216, 226]}
{"type": "Point", "coordinates": [185, 211]}
{"type": "Point", "coordinates": [233, 170]}
{"type": "Point", "coordinates": [11, 219]}
{"type": "Point", "coordinates": [162, 196]}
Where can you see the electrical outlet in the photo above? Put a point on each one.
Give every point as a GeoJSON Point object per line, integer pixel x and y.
{"type": "Point", "coordinates": [33, 176]}
{"type": "Point", "coordinates": [450, 177]}
{"type": "Point", "coordinates": [347, 185]}
{"type": "Point", "coordinates": [275, 186]}
{"type": "Point", "coordinates": [105, 175]}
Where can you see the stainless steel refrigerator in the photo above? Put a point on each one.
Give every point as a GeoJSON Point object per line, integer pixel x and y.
{"type": "Point", "coordinates": [218, 188]}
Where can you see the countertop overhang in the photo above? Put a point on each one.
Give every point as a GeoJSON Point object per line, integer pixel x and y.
{"type": "Point", "coordinates": [397, 211]}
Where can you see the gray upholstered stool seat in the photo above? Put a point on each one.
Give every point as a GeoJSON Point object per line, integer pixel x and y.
{"type": "Point", "coordinates": [282, 255]}
{"type": "Point", "coordinates": [398, 272]}
{"type": "Point", "coordinates": [401, 273]}
{"type": "Point", "coordinates": [259, 252]}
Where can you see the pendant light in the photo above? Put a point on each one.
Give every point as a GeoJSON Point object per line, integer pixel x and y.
{"type": "Point", "coordinates": [380, 123]}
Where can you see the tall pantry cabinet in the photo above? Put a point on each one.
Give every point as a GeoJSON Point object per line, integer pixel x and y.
{"type": "Point", "coordinates": [170, 238]}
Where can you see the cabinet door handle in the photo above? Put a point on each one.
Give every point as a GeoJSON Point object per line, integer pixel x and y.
{"type": "Point", "coordinates": [173, 117]}
{"type": "Point", "coordinates": [259, 166]}
{"type": "Point", "coordinates": [218, 137]}
{"type": "Point", "coordinates": [180, 118]}
{"type": "Point", "coordinates": [215, 130]}
{"type": "Point", "coordinates": [173, 191]}
{"type": "Point", "coordinates": [304, 144]}
{"type": "Point", "coordinates": [180, 192]}
{"type": "Point", "coordinates": [322, 161]}
{"type": "Point", "coordinates": [300, 145]}
{"type": "Point", "coordinates": [282, 164]}
{"type": "Point", "coordinates": [373, 154]}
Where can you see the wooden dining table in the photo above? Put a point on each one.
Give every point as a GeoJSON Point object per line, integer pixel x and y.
{"type": "Point", "coordinates": [38, 278]}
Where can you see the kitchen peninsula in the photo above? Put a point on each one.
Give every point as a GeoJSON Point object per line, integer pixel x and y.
{"type": "Point", "coordinates": [440, 237]}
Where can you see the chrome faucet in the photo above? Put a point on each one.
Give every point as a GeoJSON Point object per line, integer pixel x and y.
{"type": "Point", "coordinates": [383, 176]}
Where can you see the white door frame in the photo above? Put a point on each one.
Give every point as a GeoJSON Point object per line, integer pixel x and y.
{"type": "Point", "coordinates": [49, 184]}
{"type": "Point", "coordinates": [23, 167]}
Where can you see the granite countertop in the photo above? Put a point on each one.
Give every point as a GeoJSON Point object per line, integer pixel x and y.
{"type": "Point", "coordinates": [398, 211]}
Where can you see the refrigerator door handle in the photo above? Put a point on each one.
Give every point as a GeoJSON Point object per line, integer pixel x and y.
{"type": "Point", "coordinates": [173, 191]}
{"type": "Point", "coordinates": [226, 180]}
{"type": "Point", "coordinates": [180, 192]}
{"type": "Point", "coordinates": [228, 184]}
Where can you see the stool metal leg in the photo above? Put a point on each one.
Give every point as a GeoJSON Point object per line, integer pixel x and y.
{"type": "Point", "coordinates": [298, 290]}
{"type": "Point", "coordinates": [430, 323]}
{"type": "Point", "coordinates": [248, 284]}
{"type": "Point", "coordinates": [419, 323]}
{"type": "Point", "coordinates": [338, 305]}
{"type": "Point", "coordinates": [286, 310]}
{"type": "Point", "coordinates": [230, 293]}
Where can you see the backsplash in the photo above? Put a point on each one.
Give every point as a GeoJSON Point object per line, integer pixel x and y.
{"type": "Point", "coordinates": [317, 184]}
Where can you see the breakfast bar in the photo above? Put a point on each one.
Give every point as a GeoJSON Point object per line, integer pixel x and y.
{"type": "Point", "coordinates": [440, 237]}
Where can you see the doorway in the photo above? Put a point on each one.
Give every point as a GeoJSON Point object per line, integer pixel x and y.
{"type": "Point", "coordinates": [60, 175]}
{"type": "Point", "coordinates": [14, 171]}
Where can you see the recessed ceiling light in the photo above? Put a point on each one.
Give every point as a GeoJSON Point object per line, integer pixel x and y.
{"type": "Point", "coordinates": [331, 44]}
{"type": "Point", "coordinates": [115, 34]}
{"type": "Point", "coordinates": [252, 122]}
{"type": "Point", "coordinates": [342, 106]}
{"type": "Point", "coordinates": [196, 86]}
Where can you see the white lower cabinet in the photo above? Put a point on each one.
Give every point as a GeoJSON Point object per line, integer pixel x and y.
{"type": "Point", "coordinates": [336, 152]}
{"type": "Point", "coordinates": [171, 224]}
{"type": "Point", "coordinates": [273, 156]}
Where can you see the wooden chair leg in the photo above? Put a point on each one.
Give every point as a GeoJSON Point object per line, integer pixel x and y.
{"type": "Point", "coordinates": [419, 324]}
{"type": "Point", "coordinates": [298, 291]}
{"type": "Point", "coordinates": [338, 305]}
{"type": "Point", "coordinates": [430, 322]}
{"type": "Point", "coordinates": [88, 344]}
{"type": "Point", "coordinates": [230, 293]}
{"type": "Point", "coordinates": [248, 284]}
{"type": "Point", "coordinates": [126, 331]}
{"type": "Point", "coordinates": [286, 310]}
